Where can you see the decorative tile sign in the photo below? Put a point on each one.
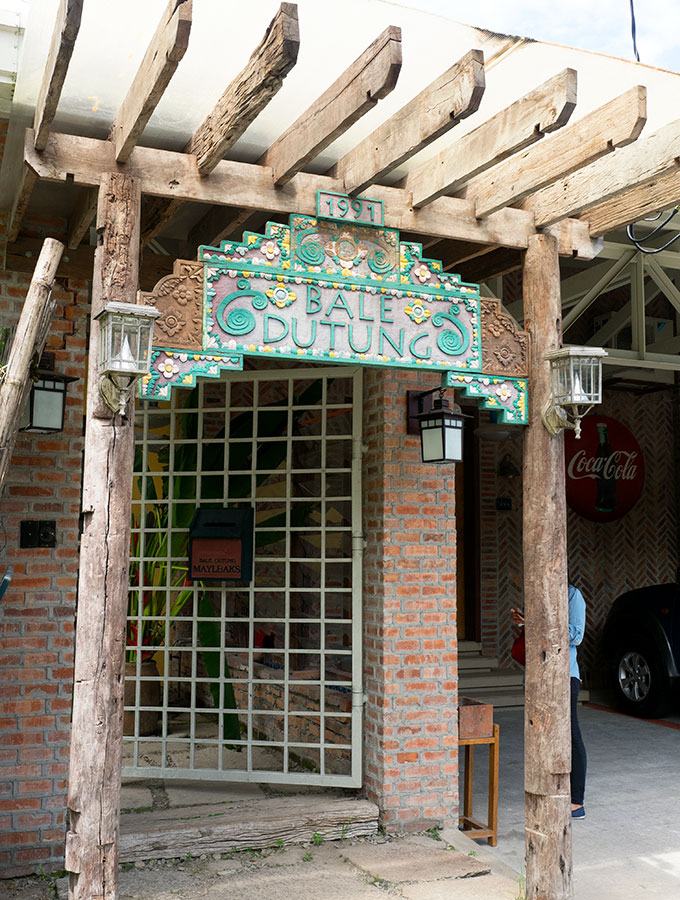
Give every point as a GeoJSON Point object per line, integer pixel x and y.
{"type": "Point", "coordinates": [339, 287]}
{"type": "Point", "coordinates": [349, 209]}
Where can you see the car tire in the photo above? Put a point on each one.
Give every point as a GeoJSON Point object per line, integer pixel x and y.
{"type": "Point", "coordinates": [640, 685]}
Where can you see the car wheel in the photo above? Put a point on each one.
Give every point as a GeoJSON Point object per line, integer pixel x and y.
{"type": "Point", "coordinates": [640, 684]}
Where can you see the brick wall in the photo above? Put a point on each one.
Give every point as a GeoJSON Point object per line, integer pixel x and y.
{"type": "Point", "coordinates": [605, 559]}
{"type": "Point", "coordinates": [37, 611]}
{"type": "Point", "coordinates": [410, 655]}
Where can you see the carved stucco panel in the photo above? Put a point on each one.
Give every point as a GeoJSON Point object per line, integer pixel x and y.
{"type": "Point", "coordinates": [179, 297]}
{"type": "Point", "coordinates": [504, 344]}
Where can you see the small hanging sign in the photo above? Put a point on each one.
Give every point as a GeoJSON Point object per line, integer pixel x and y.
{"type": "Point", "coordinates": [221, 545]}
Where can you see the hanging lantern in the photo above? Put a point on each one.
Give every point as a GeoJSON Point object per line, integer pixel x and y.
{"type": "Point", "coordinates": [44, 412]}
{"type": "Point", "coordinates": [441, 432]}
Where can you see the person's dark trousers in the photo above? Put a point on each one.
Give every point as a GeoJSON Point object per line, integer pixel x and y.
{"type": "Point", "coordinates": [579, 760]}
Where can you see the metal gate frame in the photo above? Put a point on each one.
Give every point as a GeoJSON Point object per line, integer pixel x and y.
{"type": "Point", "coordinates": [248, 774]}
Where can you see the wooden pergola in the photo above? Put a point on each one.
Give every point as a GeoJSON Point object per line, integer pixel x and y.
{"type": "Point", "coordinates": [524, 180]}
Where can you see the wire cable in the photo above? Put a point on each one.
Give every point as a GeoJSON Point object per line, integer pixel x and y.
{"type": "Point", "coordinates": [634, 30]}
{"type": "Point", "coordinates": [640, 242]}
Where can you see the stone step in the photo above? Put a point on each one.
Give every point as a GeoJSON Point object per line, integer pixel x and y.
{"type": "Point", "coordinates": [471, 680]}
{"type": "Point", "coordinates": [239, 825]}
{"type": "Point", "coordinates": [507, 697]}
{"type": "Point", "coordinates": [470, 661]}
{"type": "Point", "coordinates": [499, 698]}
{"type": "Point", "coordinates": [469, 647]}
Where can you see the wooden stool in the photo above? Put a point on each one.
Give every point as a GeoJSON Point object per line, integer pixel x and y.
{"type": "Point", "coordinates": [471, 826]}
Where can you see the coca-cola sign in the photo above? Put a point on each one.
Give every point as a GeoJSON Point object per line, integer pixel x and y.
{"type": "Point", "coordinates": [605, 469]}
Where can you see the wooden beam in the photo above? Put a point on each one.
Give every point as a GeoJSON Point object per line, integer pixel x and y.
{"type": "Point", "coordinates": [452, 253]}
{"type": "Point", "coordinates": [637, 306]}
{"type": "Point", "coordinates": [670, 291]}
{"type": "Point", "coordinates": [631, 206]}
{"type": "Point", "coordinates": [575, 286]}
{"type": "Point", "coordinates": [621, 318]}
{"type": "Point", "coordinates": [450, 98]}
{"type": "Point", "coordinates": [370, 78]}
{"type": "Point", "coordinates": [238, 107]}
{"type": "Point", "coordinates": [246, 186]}
{"type": "Point", "coordinates": [547, 747]}
{"type": "Point", "coordinates": [542, 110]}
{"type": "Point", "coordinates": [22, 197]}
{"type": "Point", "coordinates": [22, 254]}
{"type": "Point", "coordinates": [669, 259]}
{"type": "Point", "coordinates": [215, 226]}
{"type": "Point", "coordinates": [645, 161]}
{"type": "Point", "coordinates": [82, 217]}
{"type": "Point", "coordinates": [249, 92]}
{"type": "Point", "coordinates": [615, 124]}
{"type": "Point", "coordinates": [160, 62]}
{"type": "Point", "coordinates": [632, 359]}
{"type": "Point", "coordinates": [66, 27]}
{"type": "Point", "coordinates": [157, 212]}
{"type": "Point", "coordinates": [97, 715]}
{"type": "Point", "coordinates": [29, 340]}
{"type": "Point", "coordinates": [617, 321]}
{"type": "Point", "coordinates": [498, 262]}
{"type": "Point", "coordinates": [608, 276]}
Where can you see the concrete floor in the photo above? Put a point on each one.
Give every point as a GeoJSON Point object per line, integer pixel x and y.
{"type": "Point", "coordinates": [629, 843]}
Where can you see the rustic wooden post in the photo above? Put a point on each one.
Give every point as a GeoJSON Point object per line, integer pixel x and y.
{"type": "Point", "coordinates": [29, 340]}
{"type": "Point", "coordinates": [547, 741]}
{"type": "Point", "coordinates": [97, 719]}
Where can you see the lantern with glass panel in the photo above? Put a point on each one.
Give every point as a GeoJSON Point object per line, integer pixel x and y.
{"type": "Point", "coordinates": [576, 377]}
{"type": "Point", "coordinates": [441, 431]}
{"type": "Point", "coordinates": [126, 338]}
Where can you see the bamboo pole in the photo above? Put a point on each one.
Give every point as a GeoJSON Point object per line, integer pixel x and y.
{"type": "Point", "coordinates": [29, 339]}
{"type": "Point", "coordinates": [97, 719]}
{"type": "Point", "coordinates": [547, 742]}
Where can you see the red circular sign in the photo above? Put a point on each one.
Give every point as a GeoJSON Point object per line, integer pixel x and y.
{"type": "Point", "coordinates": [605, 469]}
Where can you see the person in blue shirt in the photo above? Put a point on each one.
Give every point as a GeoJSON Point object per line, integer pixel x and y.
{"type": "Point", "coordinates": [579, 759]}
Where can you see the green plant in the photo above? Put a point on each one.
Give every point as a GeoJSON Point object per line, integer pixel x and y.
{"type": "Point", "coordinates": [434, 834]}
{"type": "Point", "coordinates": [307, 857]}
{"type": "Point", "coordinates": [521, 888]}
{"type": "Point", "coordinates": [472, 853]}
{"type": "Point", "coordinates": [317, 839]}
{"type": "Point", "coordinates": [159, 590]}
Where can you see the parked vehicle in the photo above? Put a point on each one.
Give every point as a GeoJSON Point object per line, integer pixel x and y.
{"type": "Point", "coordinates": [641, 642]}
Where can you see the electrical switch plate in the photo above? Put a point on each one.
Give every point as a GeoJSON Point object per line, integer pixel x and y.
{"type": "Point", "coordinates": [29, 534]}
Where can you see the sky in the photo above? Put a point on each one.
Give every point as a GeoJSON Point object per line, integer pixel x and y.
{"type": "Point", "coordinates": [601, 25]}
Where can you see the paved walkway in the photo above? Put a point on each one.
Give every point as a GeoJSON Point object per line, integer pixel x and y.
{"type": "Point", "coordinates": [415, 868]}
{"type": "Point", "coordinates": [628, 845]}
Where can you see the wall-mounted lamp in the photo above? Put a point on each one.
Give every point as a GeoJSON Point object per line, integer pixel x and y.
{"type": "Point", "coordinates": [576, 375]}
{"type": "Point", "coordinates": [441, 427]}
{"type": "Point", "coordinates": [126, 338]}
{"type": "Point", "coordinates": [44, 412]}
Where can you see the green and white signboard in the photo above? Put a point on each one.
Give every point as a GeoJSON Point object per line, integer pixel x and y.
{"type": "Point", "coordinates": [333, 288]}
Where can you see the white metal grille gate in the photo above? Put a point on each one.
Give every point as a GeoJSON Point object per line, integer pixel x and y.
{"type": "Point", "coordinates": [258, 682]}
